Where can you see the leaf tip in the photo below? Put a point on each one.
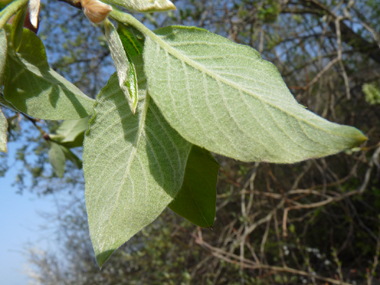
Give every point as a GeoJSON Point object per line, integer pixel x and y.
{"type": "Point", "coordinates": [102, 257]}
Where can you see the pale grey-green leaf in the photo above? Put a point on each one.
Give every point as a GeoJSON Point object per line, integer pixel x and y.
{"type": "Point", "coordinates": [144, 5]}
{"type": "Point", "coordinates": [224, 97]}
{"type": "Point", "coordinates": [57, 159]}
{"type": "Point", "coordinates": [3, 54]}
{"type": "Point", "coordinates": [125, 69]}
{"type": "Point", "coordinates": [3, 132]}
{"type": "Point", "coordinates": [70, 129]}
{"type": "Point", "coordinates": [133, 166]}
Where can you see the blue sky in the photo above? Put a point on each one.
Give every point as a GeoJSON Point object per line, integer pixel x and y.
{"type": "Point", "coordinates": [20, 225]}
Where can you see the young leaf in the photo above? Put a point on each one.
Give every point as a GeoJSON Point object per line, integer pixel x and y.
{"type": "Point", "coordinates": [133, 166]}
{"type": "Point", "coordinates": [146, 6]}
{"type": "Point", "coordinates": [69, 155]}
{"type": "Point", "coordinates": [17, 27]}
{"type": "Point", "coordinates": [132, 40]}
{"type": "Point", "coordinates": [197, 197]}
{"type": "Point", "coordinates": [3, 132]}
{"type": "Point", "coordinates": [224, 97]}
{"type": "Point", "coordinates": [71, 132]}
{"type": "Point", "coordinates": [37, 90]}
{"type": "Point", "coordinates": [3, 54]}
{"type": "Point", "coordinates": [57, 159]}
{"type": "Point", "coordinates": [125, 68]}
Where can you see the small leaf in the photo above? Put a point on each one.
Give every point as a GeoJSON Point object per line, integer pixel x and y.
{"type": "Point", "coordinates": [133, 166]}
{"type": "Point", "coordinates": [125, 68]}
{"type": "Point", "coordinates": [17, 27]}
{"type": "Point", "coordinates": [197, 197]}
{"type": "Point", "coordinates": [69, 155]}
{"type": "Point", "coordinates": [57, 158]}
{"type": "Point", "coordinates": [7, 104]}
{"type": "Point", "coordinates": [37, 90]}
{"type": "Point", "coordinates": [132, 40]}
{"type": "Point", "coordinates": [3, 54]}
{"type": "Point", "coordinates": [224, 97]}
{"type": "Point", "coordinates": [146, 6]}
{"type": "Point", "coordinates": [71, 132]}
{"type": "Point", "coordinates": [3, 132]}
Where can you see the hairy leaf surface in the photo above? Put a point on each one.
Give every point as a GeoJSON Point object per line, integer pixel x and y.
{"type": "Point", "coordinates": [37, 90]}
{"type": "Point", "coordinates": [144, 5]}
{"type": "Point", "coordinates": [197, 197]}
{"type": "Point", "coordinates": [3, 132]}
{"type": "Point", "coordinates": [133, 165]}
{"type": "Point", "coordinates": [125, 68]}
{"type": "Point", "coordinates": [57, 159]}
{"type": "Point", "coordinates": [224, 97]}
{"type": "Point", "coordinates": [71, 132]}
{"type": "Point", "coordinates": [3, 54]}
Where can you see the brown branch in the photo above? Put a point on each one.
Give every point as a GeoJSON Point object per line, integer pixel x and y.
{"type": "Point", "coordinates": [246, 263]}
{"type": "Point", "coordinates": [348, 35]}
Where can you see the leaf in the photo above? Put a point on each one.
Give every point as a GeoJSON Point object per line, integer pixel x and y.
{"type": "Point", "coordinates": [69, 155]}
{"type": "Point", "coordinates": [133, 166]}
{"type": "Point", "coordinates": [37, 90]}
{"type": "Point", "coordinates": [5, 103]}
{"type": "Point", "coordinates": [197, 197]}
{"type": "Point", "coordinates": [17, 27]}
{"type": "Point", "coordinates": [71, 132]}
{"type": "Point", "coordinates": [3, 132]}
{"type": "Point", "coordinates": [146, 6]}
{"type": "Point", "coordinates": [3, 54]}
{"type": "Point", "coordinates": [125, 68]}
{"type": "Point", "coordinates": [132, 40]}
{"type": "Point", "coordinates": [224, 97]}
{"type": "Point", "coordinates": [57, 159]}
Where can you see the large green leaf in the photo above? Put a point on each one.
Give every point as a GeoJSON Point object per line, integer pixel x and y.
{"type": "Point", "coordinates": [3, 54]}
{"type": "Point", "coordinates": [133, 165]}
{"type": "Point", "coordinates": [197, 197]}
{"type": "Point", "coordinates": [71, 132]}
{"type": "Point", "coordinates": [144, 5]}
{"type": "Point", "coordinates": [37, 90]}
{"type": "Point", "coordinates": [3, 132]}
{"type": "Point", "coordinates": [224, 97]}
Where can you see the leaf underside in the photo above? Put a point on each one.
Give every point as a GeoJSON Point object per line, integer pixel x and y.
{"type": "Point", "coordinates": [125, 68]}
{"type": "Point", "coordinates": [133, 166]}
{"type": "Point", "coordinates": [71, 132]}
{"type": "Point", "coordinates": [197, 197]}
{"type": "Point", "coordinates": [37, 90]}
{"type": "Point", "coordinates": [3, 120]}
{"type": "Point", "coordinates": [144, 5]}
{"type": "Point", "coordinates": [3, 54]}
{"type": "Point", "coordinates": [57, 159]}
{"type": "Point", "coordinates": [224, 97]}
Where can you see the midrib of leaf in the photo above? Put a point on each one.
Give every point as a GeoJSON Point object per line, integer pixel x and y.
{"type": "Point", "coordinates": [184, 59]}
{"type": "Point", "coordinates": [204, 70]}
{"type": "Point", "coordinates": [134, 148]}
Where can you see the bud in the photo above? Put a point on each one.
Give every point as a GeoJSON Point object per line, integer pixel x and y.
{"type": "Point", "coordinates": [95, 10]}
{"type": "Point", "coordinates": [34, 11]}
